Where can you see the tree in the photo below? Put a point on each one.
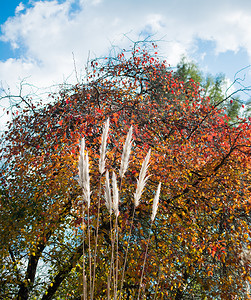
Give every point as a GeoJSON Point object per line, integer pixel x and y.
{"type": "Point", "coordinates": [213, 87]}
{"type": "Point", "coordinates": [201, 233]}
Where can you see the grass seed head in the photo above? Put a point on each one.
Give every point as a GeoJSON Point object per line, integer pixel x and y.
{"type": "Point", "coordinates": [155, 203]}
{"type": "Point", "coordinates": [126, 153]}
{"type": "Point", "coordinates": [115, 195]}
{"type": "Point", "coordinates": [103, 147]}
{"type": "Point", "coordinates": [141, 182]}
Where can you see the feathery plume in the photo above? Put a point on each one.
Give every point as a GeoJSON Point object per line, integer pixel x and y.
{"type": "Point", "coordinates": [155, 203]}
{"type": "Point", "coordinates": [142, 179]}
{"type": "Point", "coordinates": [115, 195]}
{"type": "Point", "coordinates": [108, 196]}
{"type": "Point", "coordinates": [80, 163]}
{"type": "Point", "coordinates": [103, 147]}
{"type": "Point", "coordinates": [126, 153]}
{"type": "Point", "coordinates": [84, 179]}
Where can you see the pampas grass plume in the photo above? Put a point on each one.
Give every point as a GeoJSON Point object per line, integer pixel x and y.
{"type": "Point", "coordinates": [155, 203]}
{"type": "Point", "coordinates": [108, 196]}
{"type": "Point", "coordinates": [84, 179]}
{"type": "Point", "coordinates": [115, 195]}
{"type": "Point", "coordinates": [103, 147]}
{"type": "Point", "coordinates": [126, 153]}
{"type": "Point", "coordinates": [142, 179]}
{"type": "Point", "coordinates": [80, 163]}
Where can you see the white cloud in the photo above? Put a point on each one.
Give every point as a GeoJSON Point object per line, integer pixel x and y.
{"type": "Point", "coordinates": [19, 8]}
{"type": "Point", "coordinates": [155, 22]}
{"type": "Point", "coordinates": [49, 32]}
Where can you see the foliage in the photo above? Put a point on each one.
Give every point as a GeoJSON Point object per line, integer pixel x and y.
{"type": "Point", "coordinates": [213, 87]}
{"type": "Point", "coordinates": [200, 241]}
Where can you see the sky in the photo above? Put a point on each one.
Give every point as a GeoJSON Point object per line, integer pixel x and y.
{"type": "Point", "coordinates": [46, 43]}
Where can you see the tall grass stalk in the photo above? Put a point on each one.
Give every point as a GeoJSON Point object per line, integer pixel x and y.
{"type": "Point", "coordinates": [116, 234]}
{"type": "Point", "coordinates": [109, 206]}
{"type": "Point", "coordinates": [154, 211]}
{"type": "Point", "coordinates": [84, 276]}
{"type": "Point", "coordinates": [140, 186]}
{"type": "Point", "coordinates": [89, 246]}
{"type": "Point", "coordinates": [101, 170]}
{"type": "Point", "coordinates": [112, 204]}
{"type": "Point", "coordinates": [84, 181]}
{"type": "Point", "coordinates": [96, 244]}
{"type": "Point", "coordinates": [126, 253]}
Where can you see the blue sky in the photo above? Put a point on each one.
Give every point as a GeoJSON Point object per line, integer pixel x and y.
{"type": "Point", "coordinates": [38, 38]}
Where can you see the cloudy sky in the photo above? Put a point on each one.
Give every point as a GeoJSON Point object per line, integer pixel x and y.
{"type": "Point", "coordinates": [38, 39]}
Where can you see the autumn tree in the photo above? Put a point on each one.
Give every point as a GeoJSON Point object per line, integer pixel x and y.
{"type": "Point", "coordinates": [200, 241]}
{"type": "Point", "coordinates": [214, 87]}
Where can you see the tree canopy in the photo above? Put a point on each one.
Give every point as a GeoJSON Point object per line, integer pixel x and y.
{"type": "Point", "coordinates": [199, 245]}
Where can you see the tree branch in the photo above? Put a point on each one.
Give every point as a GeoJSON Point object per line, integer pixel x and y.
{"type": "Point", "coordinates": [65, 270]}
